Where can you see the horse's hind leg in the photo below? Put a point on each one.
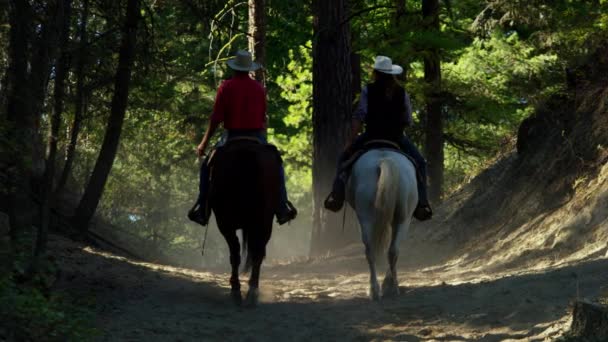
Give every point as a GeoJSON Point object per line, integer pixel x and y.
{"type": "Point", "coordinates": [390, 284]}
{"type": "Point", "coordinates": [235, 261]}
{"type": "Point", "coordinates": [257, 252]}
{"type": "Point", "coordinates": [374, 288]}
{"type": "Point", "coordinates": [254, 280]}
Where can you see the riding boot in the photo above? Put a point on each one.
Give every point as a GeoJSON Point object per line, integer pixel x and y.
{"type": "Point", "coordinates": [286, 211]}
{"type": "Point", "coordinates": [423, 210]}
{"type": "Point", "coordinates": [335, 200]}
{"type": "Point", "coordinates": [198, 213]}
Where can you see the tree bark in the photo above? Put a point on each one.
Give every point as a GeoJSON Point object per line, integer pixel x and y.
{"type": "Point", "coordinates": [434, 122]}
{"type": "Point", "coordinates": [80, 107]}
{"type": "Point", "coordinates": [63, 14]}
{"type": "Point", "coordinates": [332, 102]}
{"type": "Point", "coordinates": [400, 11]}
{"type": "Point", "coordinates": [355, 61]}
{"type": "Point", "coordinates": [18, 153]}
{"type": "Point", "coordinates": [92, 195]}
{"type": "Point", "coordinates": [257, 34]}
{"type": "Point", "coordinates": [43, 57]}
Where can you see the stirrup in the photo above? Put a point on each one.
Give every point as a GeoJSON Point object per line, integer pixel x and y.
{"type": "Point", "coordinates": [197, 215]}
{"type": "Point", "coordinates": [333, 202]}
{"type": "Point", "coordinates": [287, 215]}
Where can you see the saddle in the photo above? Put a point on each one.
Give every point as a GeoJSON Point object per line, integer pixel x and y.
{"type": "Point", "coordinates": [211, 160]}
{"type": "Point", "coordinates": [240, 142]}
{"type": "Point", "coordinates": [375, 144]}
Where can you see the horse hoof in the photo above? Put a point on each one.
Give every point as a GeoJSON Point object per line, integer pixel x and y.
{"type": "Point", "coordinates": [374, 292]}
{"type": "Point", "coordinates": [374, 295]}
{"type": "Point", "coordinates": [252, 298]}
{"type": "Point", "coordinates": [389, 289]}
{"type": "Point", "coordinates": [390, 292]}
{"type": "Point", "coordinates": [236, 297]}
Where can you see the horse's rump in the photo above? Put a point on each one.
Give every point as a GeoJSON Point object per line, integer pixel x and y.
{"type": "Point", "coordinates": [244, 182]}
{"type": "Point", "coordinates": [383, 192]}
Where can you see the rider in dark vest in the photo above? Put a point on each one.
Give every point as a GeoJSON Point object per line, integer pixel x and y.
{"type": "Point", "coordinates": [385, 110]}
{"type": "Point", "coordinates": [240, 104]}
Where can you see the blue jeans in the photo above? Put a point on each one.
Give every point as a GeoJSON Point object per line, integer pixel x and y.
{"type": "Point", "coordinates": [408, 148]}
{"type": "Point", "coordinates": [204, 171]}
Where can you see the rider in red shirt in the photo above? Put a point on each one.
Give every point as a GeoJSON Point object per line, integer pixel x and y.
{"type": "Point", "coordinates": [240, 104]}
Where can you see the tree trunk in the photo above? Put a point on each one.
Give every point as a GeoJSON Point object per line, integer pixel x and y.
{"type": "Point", "coordinates": [257, 34]}
{"type": "Point", "coordinates": [3, 94]}
{"type": "Point", "coordinates": [355, 61]}
{"type": "Point", "coordinates": [61, 68]}
{"type": "Point", "coordinates": [399, 11]}
{"type": "Point", "coordinates": [80, 98]}
{"type": "Point", "coordinates": [434, 121]}
{"type": "Point", "coordinates": [332, 102]}
{"type": "Point", "coordinates": [589, 321]}
{"type": "Point", "coordinates": [22, 122]}
{"type": "Point", "coordinates": [92, 195]}
{"type": "Point", "coordinates": [43, 57]}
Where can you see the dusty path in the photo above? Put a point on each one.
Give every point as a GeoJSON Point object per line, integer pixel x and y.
{"type": "Point", "coordinates": [147, 302]}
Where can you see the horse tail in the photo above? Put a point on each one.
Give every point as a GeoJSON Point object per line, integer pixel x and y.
{"type": "Point", "coordinates": [386, 201]}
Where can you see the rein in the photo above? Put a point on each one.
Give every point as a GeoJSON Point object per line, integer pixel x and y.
{"type": "Point", "coordinates": [204, 240]}
{"type": "Point", "coordinates": [344, 218]}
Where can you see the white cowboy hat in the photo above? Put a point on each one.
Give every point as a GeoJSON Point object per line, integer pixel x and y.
{"type": "Point", "coordinates": [242, 61]}
{"type": "Point", "coordinates": [385, 65]}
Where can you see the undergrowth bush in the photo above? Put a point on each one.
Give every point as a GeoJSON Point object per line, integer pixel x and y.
{"type": "Point", "coordinates": [30, 310]}
{"type": "Point", "coordinates": [28, 314]}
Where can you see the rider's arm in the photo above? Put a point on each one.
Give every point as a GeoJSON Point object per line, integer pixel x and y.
{"type": "Point", "coordinates": [219, 109]}
{"type": "Point", "coordinates": [208, 134]}
{"type": "Point", "coordinates": [355, 128]}
{"type": "Point", "coordinates": [358, 117]}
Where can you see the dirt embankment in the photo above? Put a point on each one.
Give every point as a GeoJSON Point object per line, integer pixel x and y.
{"type": "Point", "coordinates": [544, 204]}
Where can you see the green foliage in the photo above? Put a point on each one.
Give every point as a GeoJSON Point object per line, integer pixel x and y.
{"type": "Point", "coordinates": [27, 314]}
{"type": "Point", "coordinates": [29, 311]}
{"type": "Point", "coordinates": [295, 141]}
{"type": "Point", "coordinates": [492, 86]}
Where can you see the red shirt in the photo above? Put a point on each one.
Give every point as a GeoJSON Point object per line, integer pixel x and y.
{"type": "Point", "coordinates": [240, 103]}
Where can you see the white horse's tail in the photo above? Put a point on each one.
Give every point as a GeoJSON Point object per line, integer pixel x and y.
{"type": "Point", "coordinates": [385, 204]}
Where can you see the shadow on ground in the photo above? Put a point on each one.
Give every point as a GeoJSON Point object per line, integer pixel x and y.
{"type": "Point", "coordinates": [139, 301]}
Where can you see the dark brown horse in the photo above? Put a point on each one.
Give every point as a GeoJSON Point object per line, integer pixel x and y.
{"type": "Point", "coordinates": [244, 195]}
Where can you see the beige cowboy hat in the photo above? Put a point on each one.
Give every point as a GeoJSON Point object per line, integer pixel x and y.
{"type": "Point", "coordinates": [242, 61]}
{"type": "Point", "coordinates": [385, 65]}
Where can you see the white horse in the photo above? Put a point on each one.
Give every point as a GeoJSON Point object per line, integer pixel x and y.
{"type": "Point", "coordinates": [382, 190]}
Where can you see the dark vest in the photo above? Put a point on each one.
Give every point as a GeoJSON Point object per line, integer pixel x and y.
{"type": "Point", "coordinates": [385, 117]}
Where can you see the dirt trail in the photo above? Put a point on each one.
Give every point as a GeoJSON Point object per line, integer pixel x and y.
{"type": "Point", "coordinates": [147, 302]}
